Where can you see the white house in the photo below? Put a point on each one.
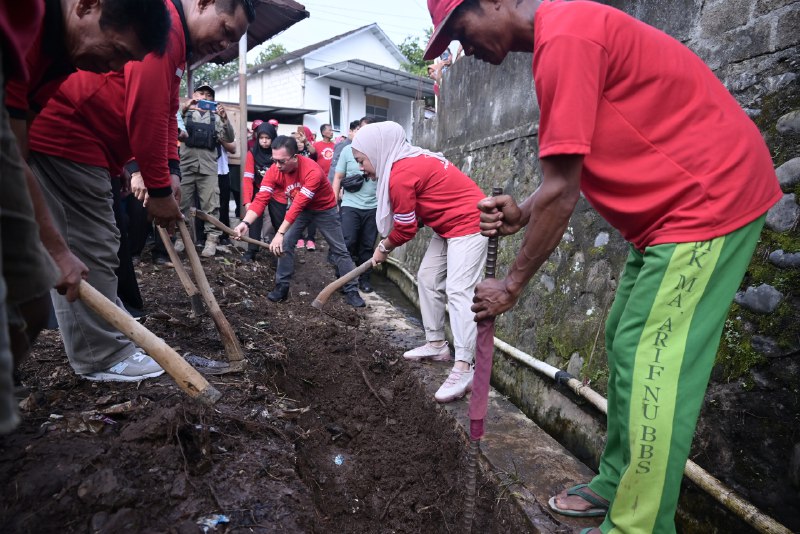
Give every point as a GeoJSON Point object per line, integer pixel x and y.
{"type": "Point", "coordinates": [335, 81]}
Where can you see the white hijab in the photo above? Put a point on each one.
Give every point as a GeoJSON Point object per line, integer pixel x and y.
{"type": "Point", "coordinates": [384, 143]}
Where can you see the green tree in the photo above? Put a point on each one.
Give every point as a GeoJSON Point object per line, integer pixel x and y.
{"type": "Point", "coordinates": [414, 48]}
{"type": "Point", "coordinates": [213, 72]}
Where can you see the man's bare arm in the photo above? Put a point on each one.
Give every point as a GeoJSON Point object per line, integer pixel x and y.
{"type": "Point", "coordinates": [547, 212]}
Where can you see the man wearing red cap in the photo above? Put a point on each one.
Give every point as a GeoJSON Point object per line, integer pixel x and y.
{"type": "Point", "coordinates": [689, 197]}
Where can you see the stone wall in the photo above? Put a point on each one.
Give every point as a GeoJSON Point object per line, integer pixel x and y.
{"type": "Point", "coordinates": [487, 124]}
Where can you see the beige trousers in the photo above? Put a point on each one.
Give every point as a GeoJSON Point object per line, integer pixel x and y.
{"type": "Point", "coordinates": [448, 274]}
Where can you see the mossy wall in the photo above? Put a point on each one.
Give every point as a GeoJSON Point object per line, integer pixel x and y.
{"type": "Point", "coordinates": [487, 123]}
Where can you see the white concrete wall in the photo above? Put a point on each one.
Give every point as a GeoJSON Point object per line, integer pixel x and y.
{"type": "Point", "coordinates": [282, 86]}
{"type": "Point", "coordinates": [400, 112]}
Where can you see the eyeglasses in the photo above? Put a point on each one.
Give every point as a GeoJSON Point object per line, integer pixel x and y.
{"type": "Point", "coordinates": [282, 162]}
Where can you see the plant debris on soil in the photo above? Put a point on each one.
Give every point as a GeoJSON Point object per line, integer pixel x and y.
{"type": "Point", "coordinates": [325, 430]}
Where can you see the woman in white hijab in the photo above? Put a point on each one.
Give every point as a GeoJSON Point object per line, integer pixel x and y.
{"type": "Point", "coordinates": [417, 186]}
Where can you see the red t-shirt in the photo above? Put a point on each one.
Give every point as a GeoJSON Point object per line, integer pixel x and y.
{"type": "Point", "coordinates": [435, 192]}
{"type": "Point", "coordinates": [670, 156]}
{"type": "Point", "coordinates": [45, 63]}
{"type": "Point", "coordinates": [324, 154]}
{"type": "Point", "coordinates": [249, 179]}
{"type": "Point", "coordinates": [107, 119]}
{"type": "Point", "coordinates": [306, 186]}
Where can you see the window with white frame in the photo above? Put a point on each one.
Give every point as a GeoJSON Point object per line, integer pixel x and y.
{"type": "Point", "coordinates": [336, 108]}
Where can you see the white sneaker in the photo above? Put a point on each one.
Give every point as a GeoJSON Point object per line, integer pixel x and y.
{"type": "Point", "coordinates": [439, 354]}
{"type": "Point", "coordinates": [132, 369]}
{"type": "Point", "coordinates": [179, 246]}
{"type": "Point", "coordinates": [456, 385]}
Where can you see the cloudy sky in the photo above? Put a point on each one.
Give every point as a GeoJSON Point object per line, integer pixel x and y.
{"type": "Point", "coordinates": [398, 18]}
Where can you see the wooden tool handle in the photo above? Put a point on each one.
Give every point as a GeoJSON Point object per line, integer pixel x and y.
{"type": "Point", "coordinates": [232, 347]}
{"type": "Point", "coordinates": [191, 290]}
{"type": "Point", "coordinates": [326, 293]}
{"type": "Point", "coordinates": [187, 378]}
{"type": "Point", "coordinates": [216, 222]}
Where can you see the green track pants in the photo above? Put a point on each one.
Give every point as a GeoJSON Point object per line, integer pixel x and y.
{"type": "Point", "coordinates": [662, 336]}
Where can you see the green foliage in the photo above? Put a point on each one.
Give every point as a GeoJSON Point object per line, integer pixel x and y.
{"type": "Point", "coordinates": [414, 48]}
{"type": "Point", "coordinates": [212, 72]}
{"type": "Point", "coordinates": [270, 52]}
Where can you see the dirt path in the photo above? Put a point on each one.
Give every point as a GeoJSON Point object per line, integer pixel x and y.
{"type": "Point", "coordinates": [302, 441]}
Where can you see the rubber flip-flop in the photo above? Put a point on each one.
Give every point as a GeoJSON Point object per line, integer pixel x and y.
{"type": "Point", "coordinates": [601, 508]}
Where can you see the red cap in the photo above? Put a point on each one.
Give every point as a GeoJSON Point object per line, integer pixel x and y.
{"type": "Point", "coordinates": [440, 13]}
{"type": "Point", "coordinates": [256, 124]}
{"type": "Point", "coordinates": [274, 122]}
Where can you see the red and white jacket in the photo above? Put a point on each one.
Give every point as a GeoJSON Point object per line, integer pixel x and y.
{"type": "Point", "coordinates": [434, 192]}
{"type": "Point", "coordinates": [306, 187]}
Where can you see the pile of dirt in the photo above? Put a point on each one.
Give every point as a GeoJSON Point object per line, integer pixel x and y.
{"type": "Point", "coordinates": [326, 430]}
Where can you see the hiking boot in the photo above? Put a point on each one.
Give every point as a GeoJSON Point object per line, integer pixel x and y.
{"type": "Point", "coordinates": [158, 259]}
{"type": "Point", "coordinates": [179, 246]}
{"type": "Point", "coordinates": [365, 286]}
{"type": "Point", "coordinates": [310, 245]}
{"type": "Point", "coordinates": [132, 369]}
{"type": "Point", "coordinates": [211, 246]}
{"type": "Point", "coordinates": [456, 385]}
{"type": "Point", "coordinates": [354, 299]}
{"type": "Point", "coordinates": [439, 354]}
{"type": "Point", "coordinates": [300, 244]}
{"type": "Point", "coordinates": [280, 292]}
{"type": "Point", "coordinates": [249, 256]}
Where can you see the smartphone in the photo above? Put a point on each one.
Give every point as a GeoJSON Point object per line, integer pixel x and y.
{"type": "Point", "coordinates": [208, 105]}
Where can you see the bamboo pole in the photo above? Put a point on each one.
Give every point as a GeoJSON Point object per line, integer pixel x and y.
{"type": "Point", "coordinates": [232, 347]}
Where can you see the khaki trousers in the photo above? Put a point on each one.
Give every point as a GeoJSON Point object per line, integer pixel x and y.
{"type": "Point", "coordinates": [448, 274]}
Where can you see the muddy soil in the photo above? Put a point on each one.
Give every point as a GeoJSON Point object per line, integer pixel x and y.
{"type": "Point", "coordinates": [325, 431]}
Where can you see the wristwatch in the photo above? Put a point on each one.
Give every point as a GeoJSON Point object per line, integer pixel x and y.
{"type": "Point", "coordinates": [246, 223]}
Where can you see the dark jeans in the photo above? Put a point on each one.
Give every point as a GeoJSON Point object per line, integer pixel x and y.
{"type": "Point", "coordinates": [331, 229]}
{"type": "Point", "coordinates": [127, 286]}
{"type": "Point", "coordinates": [310, 233]}
{"type": "Point", "coordinates": [235, 177]}
{"type": "Point", "coordinates": [224, 181]}
{"type": "Point", "coordinates": [360, 231]}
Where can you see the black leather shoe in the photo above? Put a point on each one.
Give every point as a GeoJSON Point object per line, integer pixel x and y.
{"type": "Point", "coordinates": [249, 257]}
{"type": "Point", "coordinates": [354, 299]}
{"type": "Point", "coordinates": [365, 286]}
{"type": "Point", "coordinates": [160, 260]}
{"type": "Point", "coordinates": [280, 293]}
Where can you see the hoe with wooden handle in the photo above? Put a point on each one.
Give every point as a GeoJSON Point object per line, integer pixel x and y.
{"type": "Point", "coordinates": [329, 290]}
{"type": "Point", "coordinates": [194, 295]}
{"type": "Point", "coordinates": [203, 216]}
{"type": "Point", "coordinates": [187, 378]}
{"type": "Point", "coordinates": [232, 347]}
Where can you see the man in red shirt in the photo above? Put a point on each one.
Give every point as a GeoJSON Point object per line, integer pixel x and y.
{"type": "Point", "coordinates": [42, 42]}
{"type": "Point", "coordinates": [311, 200]}
{"type": "Point", "coordinates": [636, 121]}
{"type": "Point", "coordinates": [89, 129]}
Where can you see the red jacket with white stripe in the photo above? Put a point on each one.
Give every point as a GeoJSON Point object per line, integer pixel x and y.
{"type": "Point", "coordinates": [306, 187]}
{"type": "Point", "coordinates": [436, 193]}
